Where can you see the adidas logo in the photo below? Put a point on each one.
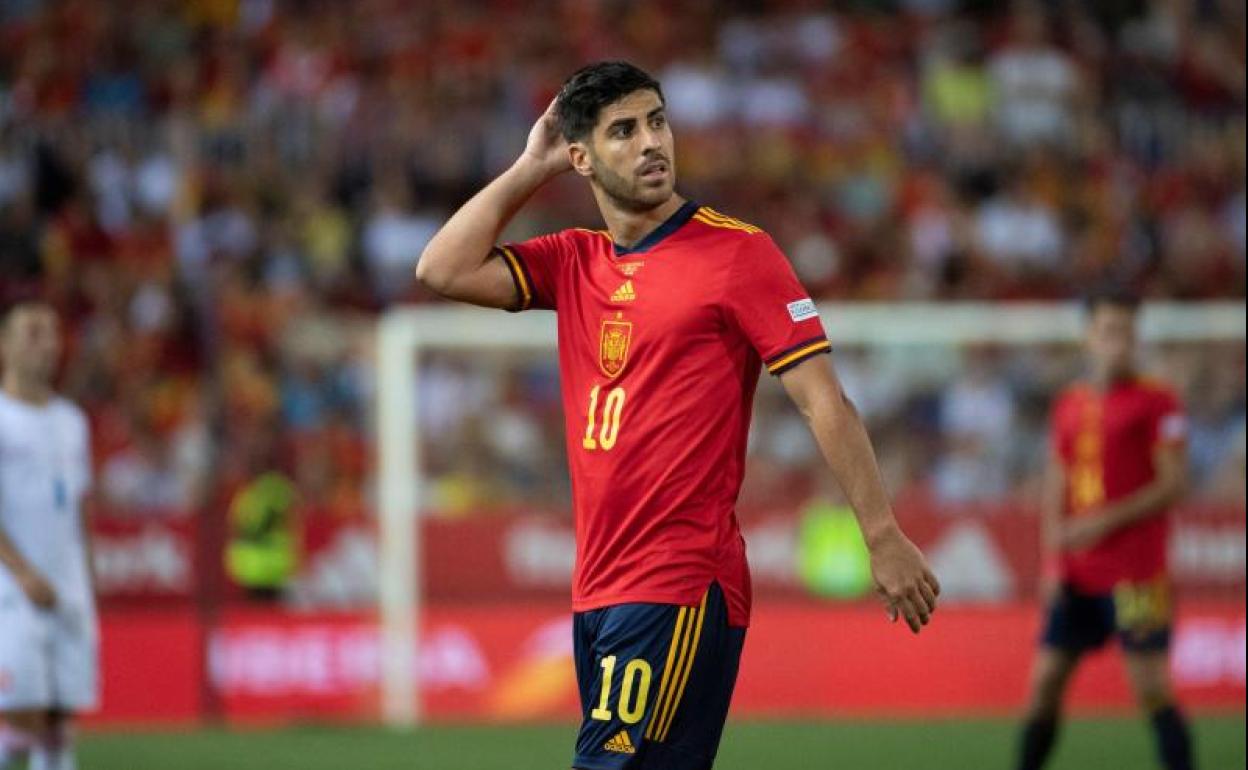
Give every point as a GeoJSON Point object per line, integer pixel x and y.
{"type": "Point", "coordinates": [620, 744]}
{"type": "Point", "coordinates": [625, 293]}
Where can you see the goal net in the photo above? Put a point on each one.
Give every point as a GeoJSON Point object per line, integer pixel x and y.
{"type": "Point", "coordinates": [955, 396]}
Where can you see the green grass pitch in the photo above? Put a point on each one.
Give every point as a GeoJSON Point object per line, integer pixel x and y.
{"type": "Point", "coordinates": [1102, 744]}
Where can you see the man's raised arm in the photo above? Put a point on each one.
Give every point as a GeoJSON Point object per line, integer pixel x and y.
{"type": "Point", "coordinates": [460, 263]}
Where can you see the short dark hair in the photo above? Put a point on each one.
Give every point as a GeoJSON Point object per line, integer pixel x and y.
{"type": "Point", "coordinates": [1112, 295]}
{"type": "Point", "coordinates": [593, 87]}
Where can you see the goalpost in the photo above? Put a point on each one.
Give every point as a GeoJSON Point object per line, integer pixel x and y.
{"type": "Point", "coordinates": [404, 334]}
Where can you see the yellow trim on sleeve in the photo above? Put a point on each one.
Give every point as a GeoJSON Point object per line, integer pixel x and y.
{"type": "Point", "coordinates": [814, 347]}
{"type": "Point", "coordinates": [526, 294]}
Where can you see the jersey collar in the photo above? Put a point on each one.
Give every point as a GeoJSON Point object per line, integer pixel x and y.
{"type": "Point", "coordinates": [673, 223]}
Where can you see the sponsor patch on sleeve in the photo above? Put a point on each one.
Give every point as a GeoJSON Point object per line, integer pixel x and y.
{"type": "Point", "coordinates": [802, 309]}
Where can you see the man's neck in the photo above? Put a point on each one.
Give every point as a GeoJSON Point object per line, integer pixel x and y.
{"type": "Point", "coordinates": [29, 391]}
{"type": "Point", "coordinates": [628, 227]}
{"type": "Point", "coordinates": [1105, 381]}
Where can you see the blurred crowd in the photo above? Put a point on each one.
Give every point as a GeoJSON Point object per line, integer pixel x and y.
{"type": "Point", "coordinates": [221, 195]}
{"type": "Point", "coordinates": [962, 427]}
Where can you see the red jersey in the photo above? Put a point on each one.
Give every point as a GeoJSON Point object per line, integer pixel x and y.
{"type": "Point", "coordinates": [1106, 441]}
{"type": "Point", "coordinates": [660, 347]}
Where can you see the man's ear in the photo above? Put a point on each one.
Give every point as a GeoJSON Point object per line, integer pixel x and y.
{"type": "Point", "coordinates": [578, 153]}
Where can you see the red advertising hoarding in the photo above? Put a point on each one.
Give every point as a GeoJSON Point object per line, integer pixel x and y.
{"type": "Point", "coordinates": [980, 555]}
{"type": "Point", "coordinates": [513, 663]}
{"type": "Point", "coordinates": [496, 642]}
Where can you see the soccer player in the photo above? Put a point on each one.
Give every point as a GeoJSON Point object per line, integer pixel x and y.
{"type": "Point", "coordinates": [48, 636]}
{"type": "Point", "coordinates": [1117, 465]}
{"type": "Point", "coordinates": [665, 318]}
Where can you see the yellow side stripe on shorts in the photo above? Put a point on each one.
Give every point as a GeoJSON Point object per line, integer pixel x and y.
{"type": "Point", "coordinates": [666, 683]}
{"type": "Point", "coordinates": [526, 295]}
{"type": "Point", "coordinates": [813, 347]}
{"type": "Point", "coordinates": [700, 615]}
{"type": "Point", "coordinates": [667, 703]}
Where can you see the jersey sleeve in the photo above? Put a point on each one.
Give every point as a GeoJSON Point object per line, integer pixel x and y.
{"type": "Point", "coordinates": [535, 266]}
{"type": "Point", "coordinates": [1167, 420]}
{"type": "Point", "coordinates": [764, 299]}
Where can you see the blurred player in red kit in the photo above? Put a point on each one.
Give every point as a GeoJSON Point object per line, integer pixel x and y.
{"type": "Point", "coordinates": [1117, 465]}
{"type": "Point", "coordinates": [665, 320]}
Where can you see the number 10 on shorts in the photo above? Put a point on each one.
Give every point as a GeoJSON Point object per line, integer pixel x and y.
{"type": "Point", "coordinates": [632, 705]}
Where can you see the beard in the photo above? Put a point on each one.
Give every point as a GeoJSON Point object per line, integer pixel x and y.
{"type": "Point", "coordinates": [627, 193]}
{"type": "Point", "coordinates": [38, 368]}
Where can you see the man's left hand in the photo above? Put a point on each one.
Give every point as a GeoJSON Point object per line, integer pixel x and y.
{"type": "Point", "coordinates": [903, 580]}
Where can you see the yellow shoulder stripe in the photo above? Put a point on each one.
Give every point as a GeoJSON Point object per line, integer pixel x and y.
{"type": "Point", "coordinates": [726, 226]}
{"type": "Point", "coordinates": [1151, 383]}
{"type": "Point", "coordinates": [712, 217]}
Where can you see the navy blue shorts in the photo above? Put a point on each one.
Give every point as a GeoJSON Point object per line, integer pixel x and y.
{"type": "Point", "coordinates": [655, 682]}
{"type": "Point", "coordinates": [1140, 614]}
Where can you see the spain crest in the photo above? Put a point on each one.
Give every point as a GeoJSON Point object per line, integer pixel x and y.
{"type": "Point", "coordinates": [613, 346]}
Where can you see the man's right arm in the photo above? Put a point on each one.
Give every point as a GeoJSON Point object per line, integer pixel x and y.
{"type": "Point", "coordinates": [460, 262]}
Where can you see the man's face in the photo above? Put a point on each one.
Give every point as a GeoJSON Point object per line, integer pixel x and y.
{"type": "Point", "coordinates": [630, 152]}
{"type": "Point", "coordinates": [1111, 339]}
{"type": "Point", "coordinates": [30, 343]}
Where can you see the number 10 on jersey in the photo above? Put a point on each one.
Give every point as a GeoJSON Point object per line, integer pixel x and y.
{"type": "Point", "coordinates": [612, 408]}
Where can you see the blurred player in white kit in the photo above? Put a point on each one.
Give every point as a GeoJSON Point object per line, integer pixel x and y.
{"type": "Point", "coordinates": [48, 631]}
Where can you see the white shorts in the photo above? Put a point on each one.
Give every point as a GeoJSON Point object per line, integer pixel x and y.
{"type": "Point", "coordinates": [48, 659]}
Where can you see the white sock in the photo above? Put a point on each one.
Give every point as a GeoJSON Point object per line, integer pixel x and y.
{"type": "Point", "coordinates": [65, 748]}
{"type": "Point", "coordinates": [10, 756]}
{"type": "Point", "coordinates": [14, 745]}
{"type": "Point", "coordinates": [56, 753]}
{"type": "Point", "coordinates": [42, 758]}
{"type": "Point", "coordinates": [67, 759]}
{"type": "Point", "coordinates": [45, 758]}
{"type": "Point", "coordinates": [58, 759]}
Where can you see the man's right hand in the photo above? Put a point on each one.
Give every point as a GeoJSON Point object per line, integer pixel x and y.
{"type": "Point", "coordinates": [461, 262]}
{"type": "Point", "coordinates": [546, 148]}
{"type": "Point", "coordinates": [37, 589]}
